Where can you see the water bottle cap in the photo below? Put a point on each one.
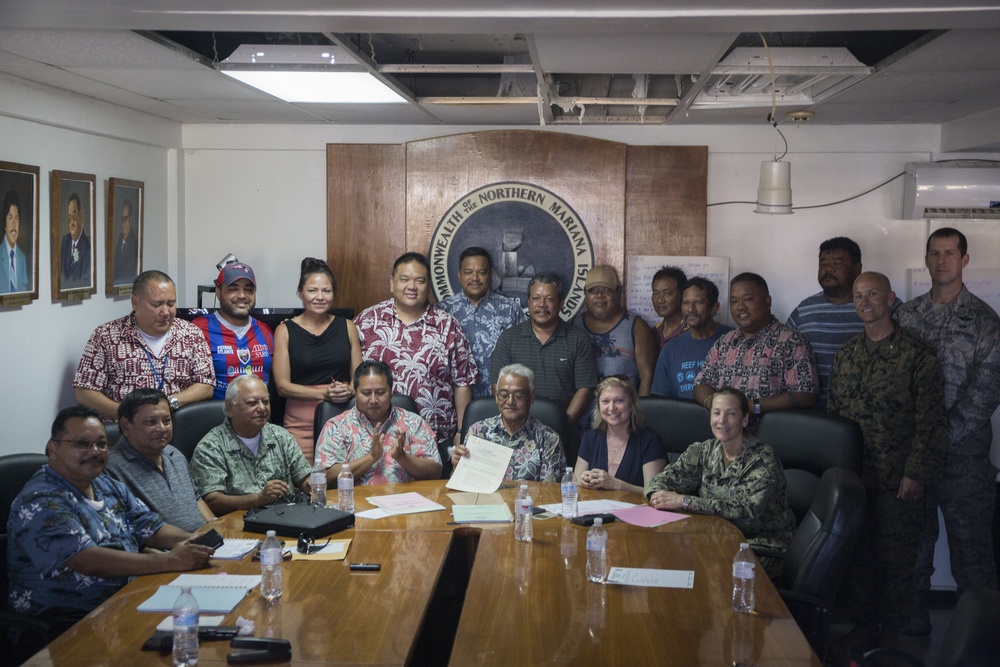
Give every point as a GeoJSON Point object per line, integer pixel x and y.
{"type": "Point", "coordinates": [598, 521]}
{"type": "Point", "coordinates": [524, 487]}
{"type": "Point", "coordinates": [185, 589]}
{"type": "Point", "coordinates": [344, 466]}
{"type": "Point", "coordinates": [744, 545]}
{"type": "Point", "coordinates": [271, 533]}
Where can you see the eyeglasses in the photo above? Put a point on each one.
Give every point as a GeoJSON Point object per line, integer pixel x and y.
{"type": "Point", "coordinates": [85, 445]}
{"type": "Point", "coordinates": [600, 291]}
{"type": "Point", "coordinates": [518, 396]}
{"type": "Point", "coordinates": [307, 545]}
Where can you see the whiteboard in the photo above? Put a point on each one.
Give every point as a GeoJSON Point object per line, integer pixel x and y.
{"type": "Point", "coordinates": [984, 283]}
{"type": "Point", "coordinates": [642, 268]}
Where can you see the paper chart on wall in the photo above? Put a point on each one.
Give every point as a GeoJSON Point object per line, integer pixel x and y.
{"type": "Point", "coordinates": [641, 268]}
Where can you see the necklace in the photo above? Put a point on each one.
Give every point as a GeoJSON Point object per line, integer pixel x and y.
{"type": "Point", "coordinates": [613, 452]}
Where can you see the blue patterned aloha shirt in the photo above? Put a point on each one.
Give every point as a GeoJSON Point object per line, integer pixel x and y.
{"type": "Point", "coordinates": [51, 521]}
{"type": "Point", "coordinates": [483, 324]}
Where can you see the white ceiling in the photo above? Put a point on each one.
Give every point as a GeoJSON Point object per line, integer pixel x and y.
{"type": "Point", "coordinates": [102, 48]}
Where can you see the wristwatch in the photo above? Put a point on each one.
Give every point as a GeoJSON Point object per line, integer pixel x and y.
{"type": "Point", "coordinates": [756, 406]}
{"type": "Point", "coordinates": [173, 402]}
{"type": "Point", "coordinates": [686, 503]}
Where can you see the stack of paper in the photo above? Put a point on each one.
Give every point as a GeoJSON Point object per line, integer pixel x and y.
{"type": "Point", "coordinates": [482, 514]}
{"type": "Point", "coordinates": [405, 503]}
{"type": "Point", "coordinates": [235, 549]}
{"type": "Point", "coordinates": [647, 517]}
{"type": "Point", "coordinates": [215, 593]}
{"type": "Point", "coordinates": [483, 469]}
{"type": "Point", "coordinates": [590, 507]}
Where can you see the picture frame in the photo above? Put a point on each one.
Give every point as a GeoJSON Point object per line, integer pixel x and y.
{"type": "Point", "coordinates": [72, 210]}
{"type": "Point", "coordinates": [123, 233]}
{"type": "Point", "coordinates": [19, 189]}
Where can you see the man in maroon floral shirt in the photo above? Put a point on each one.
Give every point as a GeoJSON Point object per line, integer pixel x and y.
{"type": "Point", "coordinates": [429, 355]}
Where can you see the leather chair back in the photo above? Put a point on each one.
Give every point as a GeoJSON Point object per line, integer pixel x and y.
{"type": "Point", "coordinates": [678, 423]}
{"type": "Point", "coordinates": [114, 432]}
{"type": "Point", "coordinates": [326, 411]}
{"type": "Point", "coordinates": [543, 410]}
{"type": "Point", "coordinates": [15, 470]}
{"type": "Point", "coordinates": [808, 442]}
{"type": "Point", "coordinates": [193, 421]}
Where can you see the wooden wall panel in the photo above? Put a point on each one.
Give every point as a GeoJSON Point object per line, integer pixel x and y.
{"type": "Point", "coordinates": [665, 210]}
{"type": "Point", "coordinates": [588, 173]}
{"type": "Point", "coordinates": [366, 224]}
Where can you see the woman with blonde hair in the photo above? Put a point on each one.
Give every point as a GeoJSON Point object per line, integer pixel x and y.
{"type": "Point", "coordinates": [620, 452]}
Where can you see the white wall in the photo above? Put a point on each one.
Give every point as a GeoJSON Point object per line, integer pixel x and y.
{"type": "Point", "coordinates": [53, 130]}
{"type": "Point", "coordinates": [259, 191]}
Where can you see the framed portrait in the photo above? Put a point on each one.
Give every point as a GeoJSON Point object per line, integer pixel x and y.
{"type": "Point", "coordinates": [123, 235]}
{"type": "Point", "coordinates": [19, 224]}
{"type": "Point", "coordinates": [74, 274]}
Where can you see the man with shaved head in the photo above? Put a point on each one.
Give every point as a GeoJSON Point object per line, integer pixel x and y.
{"type": "Point", "coordinates": [889, 382]}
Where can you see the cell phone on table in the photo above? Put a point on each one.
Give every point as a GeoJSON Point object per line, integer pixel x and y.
{"type": "Point", "coordinates": [588, 519]}
{"type": "Point", "coordinates": [212, 539]}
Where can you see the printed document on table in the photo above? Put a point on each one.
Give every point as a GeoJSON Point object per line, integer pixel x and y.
{"type": "Point", "coordinates": [637, 576]}
{"type": "Point", "coordinates": [405, 503]}
{"type": "Point", "coordinates": [591, 507]}
{"type": "Point", "coordinates": [483, 469]}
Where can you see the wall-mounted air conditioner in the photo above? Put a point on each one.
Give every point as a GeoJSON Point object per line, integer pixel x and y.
{"type": "Point", "coordinates": [951, 190]}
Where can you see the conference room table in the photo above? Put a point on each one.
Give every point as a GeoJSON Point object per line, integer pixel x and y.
{"type": "Point", "coordinates": [524, 603]}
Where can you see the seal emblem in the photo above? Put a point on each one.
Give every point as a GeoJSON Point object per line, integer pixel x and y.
{"type": "Point", "coordinates": [526, 229]}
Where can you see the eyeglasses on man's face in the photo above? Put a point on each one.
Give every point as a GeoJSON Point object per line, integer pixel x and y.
{"type": "Point", "coordinates": [85, 445]}
{"type": "Point", "coordinates": [518, 396]}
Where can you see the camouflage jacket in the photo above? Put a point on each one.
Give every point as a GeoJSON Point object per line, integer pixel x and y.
{"type": "Point", "coordinates": [965, 335]}
{"type": "Point", "coordinates": [896, 394]}
{"type": "Point", "coordinates": [749, 492]}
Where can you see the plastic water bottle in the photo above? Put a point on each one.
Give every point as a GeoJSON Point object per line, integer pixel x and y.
{"type": "Point", "coordinates": [185, 615]}
{"type": "Point", "coordinates": [522, 515]}
{"type": "Point", "coordinates": [744, 569]}
{"type": "Point", "coordinates": [345, 489]}
{"type": "Point", "coordinates": [570, 495]}
{"type": "Point", "coordinates": [597, 552]}
{"type": "Point", "coordinates": [317, 480]}
{"type": "Point", "coordinates": [270, 567]}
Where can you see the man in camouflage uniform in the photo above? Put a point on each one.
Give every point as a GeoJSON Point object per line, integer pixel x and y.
{"type": "Point", "coordinates": [889, 382]}
{"type": "Point", "coordinates": [965, 334]}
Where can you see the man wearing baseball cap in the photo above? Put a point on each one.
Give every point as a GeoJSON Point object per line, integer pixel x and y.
{"type": "Point", "coordinates": [623, 342]}
{"type": "Point", "coordinates": [240, 344]}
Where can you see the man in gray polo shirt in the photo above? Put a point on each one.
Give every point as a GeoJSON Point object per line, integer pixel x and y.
{"type": "Point", "coordinates": [561, 356]}
{"type": "Point", "coordinates": [145, 461]}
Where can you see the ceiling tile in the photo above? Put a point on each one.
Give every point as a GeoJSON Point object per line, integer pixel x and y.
{"type": "Point", "coordinates": [203, 83]}
{"type": "Point", "coordinates": [954, 51]}
{"type": "Point", "coordinates": [271, 111]}
{"type": "Point", "coordinates": [674, 53]}
{"type": "Point", "coordinates": [95, 48]}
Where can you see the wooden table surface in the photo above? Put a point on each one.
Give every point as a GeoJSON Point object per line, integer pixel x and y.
{"type": "Point", "coordinates": [329, 614]}
{"type": "Point", "coordinates": [526, 604]}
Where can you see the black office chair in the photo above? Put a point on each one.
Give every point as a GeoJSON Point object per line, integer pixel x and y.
{"type": "Point", "coordinates": [808, 442]}
{"type": "Point", "coordinates": [543, 410]}
{"type": "Point", "coordinates": [326, 411]}
{"type": "Point", "coordinates": [677, 422]}
{"type": "Point", "coordinates": [114, 432]}
{"type": "Point", "coordinates": [820, 552]}
{"type": "Point", "coordinates": [193, 421]}
{"type": "Point", "coordinates": [971, 640]}
{"type": "Point", "coordinates": [15, 470]}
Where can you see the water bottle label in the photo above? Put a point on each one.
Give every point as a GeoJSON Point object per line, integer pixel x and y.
{"type": "Point", "coordinates": [185, 620]}
{"type": "Point", "coordinates": [345, 483]}
{"type": "Point", "coordinates": [522, 506]}
{"type": "Point", "coordinates": [743, 570]}
{"type": "Point", "coordinates": [270, 557]}
{"type": "Point", "coordinates": [596, 543]}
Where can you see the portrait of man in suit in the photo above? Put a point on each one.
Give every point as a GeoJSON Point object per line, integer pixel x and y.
{"type": "Point", "coordinates": [13, 263]}
{"type": "Point", "coordinates": [125, 261]}
{"type": "Point", "coordinates": [75, 249]}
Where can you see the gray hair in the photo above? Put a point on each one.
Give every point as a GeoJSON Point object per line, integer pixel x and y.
{"type": "Point", "coordinates": [234, 388]}
{"type": "Point", "coordinates": [518, 370]}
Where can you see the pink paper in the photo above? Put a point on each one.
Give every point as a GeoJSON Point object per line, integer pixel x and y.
{"type": "Point", "coordinates": [647, 516]}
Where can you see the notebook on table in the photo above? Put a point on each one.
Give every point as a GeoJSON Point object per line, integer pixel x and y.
{"type": "Point", "coordinates": [298, 519]}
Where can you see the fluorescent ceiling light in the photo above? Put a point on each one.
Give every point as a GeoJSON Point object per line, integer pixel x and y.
{"type": "Point", "coordinates": [307, 74]}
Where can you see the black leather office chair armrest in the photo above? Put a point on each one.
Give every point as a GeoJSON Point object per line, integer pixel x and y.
{"type": "Point", "coordinates": [888, 656]}
{"type": "Point", "coordinates": [13, 619]}
{"type": "Point", "coordinates": [762, 552]}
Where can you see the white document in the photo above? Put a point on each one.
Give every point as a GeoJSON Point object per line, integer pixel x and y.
{"type": "Point", "coordinates": [637, 576]}
{"type": "Point", "coordinates": [246, 581]}
{"type": "Point", "coordinates": [204, 621]}
{"type": "Point", "coordinates": [377, 513]}
{"type": "Point", "coordinates": [235, 549]}
{"type": "Point", "coordinates": [590, 507]}
{"type": "Point", "coordinates": [483, 469]}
